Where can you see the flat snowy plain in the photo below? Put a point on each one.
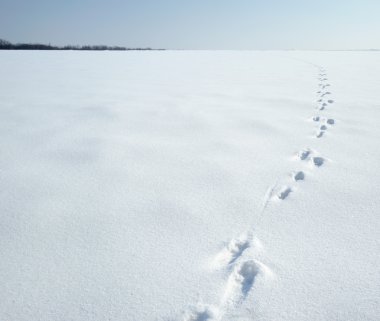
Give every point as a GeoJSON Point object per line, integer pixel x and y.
{"type": "Point", "coordinates": [189, 185]}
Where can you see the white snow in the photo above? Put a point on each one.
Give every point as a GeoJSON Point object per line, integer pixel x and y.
{"type": "Point", "coordinates": [189, 185]}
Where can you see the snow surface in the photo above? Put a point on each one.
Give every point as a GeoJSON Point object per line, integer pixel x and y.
{"type": "Point", "coordinates": [179, 185]}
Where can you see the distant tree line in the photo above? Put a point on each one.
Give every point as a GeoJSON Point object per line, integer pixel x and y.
{"type": "Point", "coordinates": [6, 45]}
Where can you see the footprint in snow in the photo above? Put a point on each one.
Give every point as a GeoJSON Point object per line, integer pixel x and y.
{"type": "Point", "coordinates": [316, 118]}
{"type": "Point", "coordinates": [330, 101]}
{"type": "Point", "coordinates": [241, 281]}
{"type": "Point", "coordinates": [284, 192]}
{"type": "Point", "coordinates": [319, 134]}
{"type": "Point", "coordinates": [330, 121]}
{"type": "Point", "coordinates": [317, 161]}
{"type": "Point", "coordinates": [298, 176]}
{"type": "Point", "coordinates": [234, 250]}
{"type": "Point", "coordinates": [303, 154]}
{"type": "Point", "coordinates": [202, 313]}
{"type": "Point", "coordinates": [323, 127]}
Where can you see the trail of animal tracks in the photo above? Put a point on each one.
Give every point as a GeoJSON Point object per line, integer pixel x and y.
{"type": "Point", "coordinates": [189, 186]}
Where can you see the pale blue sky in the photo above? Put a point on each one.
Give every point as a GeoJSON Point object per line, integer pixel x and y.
{"type": "Point", "coordinates": [196, 24]}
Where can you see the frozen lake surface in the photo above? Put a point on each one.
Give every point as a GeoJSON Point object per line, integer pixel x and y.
{"type": "Point", "coordinates": [189, 185]}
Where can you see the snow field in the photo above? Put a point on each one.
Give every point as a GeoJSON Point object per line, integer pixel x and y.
{"type": "Point", "coordinates": [189, 185]}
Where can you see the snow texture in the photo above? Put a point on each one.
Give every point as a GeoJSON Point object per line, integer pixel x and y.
{"type": "Point", "coordinates": [180, 185]}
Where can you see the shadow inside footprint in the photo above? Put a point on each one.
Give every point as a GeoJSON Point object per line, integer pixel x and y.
{"type": "Point", "coordinates": [284, 192]}
{"type": "Point", "coordinates": [204, 313]}
{"type": "Point", "coordinates": [318, 161]}
{"type": "Point", "coordinates": [330, 121]}
{"type": "Point", "coordinates": [320, 134]}
{"type": "Point", "coordinates": [241, 281]}
{"type": "Point", "coordinates": [247, 273]}
{"type": "Point", "coordinates": [230, 253]}
{"type": "Point", "coordinates": [299, 176]}
{"type": "Point", "coordinates": [236, 248]}
{"type": "Point", "coordinates": [303, 154]}
{"type": "Point", "coordinates": [202, 316]}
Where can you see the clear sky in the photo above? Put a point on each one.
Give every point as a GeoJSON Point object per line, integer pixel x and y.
{"type": "Point", "coordinates": [195, 24]}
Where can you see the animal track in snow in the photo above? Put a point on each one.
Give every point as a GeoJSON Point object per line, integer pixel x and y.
{"type": "Point", "coordinates": [317, 161]}
{"type": "Point", "coordinates": [243, 272]}
{"type": "Point", "coordinates": [284, 192]}
{"type": "Point", "coordinates": [298, 176]}
{"type": "Point", "coordinates": [245, 275]}
{"type": "Point", "coordinates": [202, 313]}
{"type": "Point", "coordinates": [303, 154]}
{"type": "Point", "coordinates": [232, 251]}
{"type": "Point", "coordinates": [319, 134]}
{"type": "Point", "coordinates": [241, 281]}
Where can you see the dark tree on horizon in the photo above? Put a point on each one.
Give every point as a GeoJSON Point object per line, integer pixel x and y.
{"type": "Point", "coordinates": [6, 45]}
